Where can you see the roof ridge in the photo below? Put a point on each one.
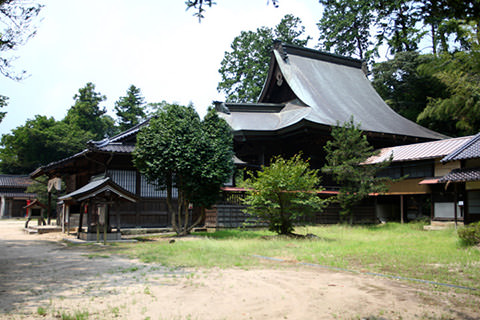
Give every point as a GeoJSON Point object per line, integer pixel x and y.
{"type": "Point", "coordinates": [435, 141]}
{"type": "Point", "coordinates": [123, 134]}
{"type": "Point", "coordinates": [285, 49]}
{"type": "Point", "coordinates": [462, 148]}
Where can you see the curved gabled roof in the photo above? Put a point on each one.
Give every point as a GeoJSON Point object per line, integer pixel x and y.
{"type": "Point", "coordinates": [329, 89]}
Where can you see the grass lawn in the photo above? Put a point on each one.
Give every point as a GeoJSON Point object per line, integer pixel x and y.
{"type": "Point", "coordinates": [393, 249]}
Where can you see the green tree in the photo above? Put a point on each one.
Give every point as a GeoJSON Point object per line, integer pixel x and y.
{"type": "Point", "coordinates": [283, 193]}
{"type": "Point", "coordinates": [178, 150]}
{"type": "Point", "coordinates": [3, 103]}
{"type": "Point", "coordinates": [345, 154]}
{"type": "Point", "coordinates": [397, 20]}
{"type": "Point", "coordinates": [17, 26]}
{"type": "Point", "coordinates": [245, 68]}
{"type": "Point", "coordinates": [457, 113]}
{"type": "Point", "coordinates": [130, 109]}
{"type": "Point", "coordinates": [345, 27]}
{"type": "Point", "coordinates": [40, 141]}
{"type": "Point", "coordinates": [87, 115]}
{"type": "Point", "coordinates": [403, 86]}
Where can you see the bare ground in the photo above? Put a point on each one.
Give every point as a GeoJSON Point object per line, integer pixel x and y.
{"type": "Point", "coordinates": [43, 278]}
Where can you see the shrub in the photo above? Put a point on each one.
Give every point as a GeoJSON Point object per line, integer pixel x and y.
{"type": "Point", "coordinates": [470, 234]}
{"type": "Point", "coordinates": [283, 193]}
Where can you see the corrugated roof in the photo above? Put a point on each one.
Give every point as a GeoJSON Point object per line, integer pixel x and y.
{"type": "Point", "coordinates": [18, 181]}
{"type": "Point", "coordinates": [462, 175]}
{"type": "Point", "coordinates": [419, 151]}
{"type": "Point", "coordinates": [330, 89]}
{"type": "Point", "coordinates": [470, 150]}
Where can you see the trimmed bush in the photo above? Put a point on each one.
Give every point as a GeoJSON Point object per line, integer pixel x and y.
{"type": "Point", "coordinates": [470, 234]}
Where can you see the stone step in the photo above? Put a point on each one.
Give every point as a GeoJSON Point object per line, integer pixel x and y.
{"type": "Point", "coordinates": [30, 231]}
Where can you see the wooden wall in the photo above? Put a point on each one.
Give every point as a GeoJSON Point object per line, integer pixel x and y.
{"type": "Point", "coordinates": [229, 213]}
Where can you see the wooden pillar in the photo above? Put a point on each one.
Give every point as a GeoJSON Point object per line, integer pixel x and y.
{"type": "Point", "coordinates": [455, 201]}
{"type": "Point", "coordinates": [2, 207]}
{"type": "Point", "coordinates": [49, 208]}
{"type": "Point", "coordinates": [106, 222]}
{"type": "Point", "coordinates": [138, 191]}
{"type": "Point", "coordinates": [432, 207]}
{"type": "Point", "coordinates": [89, 215]}
{"type": "Point", "coordinates": [402, 204]}
{"type": "Point", "coordinates": [10, 208]}
{"type": "Point", "coordinates": [63, 217]}
{"type": "Point", "coordinates": [67, 214]}
{"type": "Point", "coordinates": [80, 220]}
{"type": "Point", "coordinates": [117, 213]}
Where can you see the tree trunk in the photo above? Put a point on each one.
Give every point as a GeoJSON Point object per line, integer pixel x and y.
{"type": "Point", "coordinates": [171, 211]}
{"type": "Point", "coordinates": [199, 219]}
{"type": "Point", "coordinates": [185, 206]}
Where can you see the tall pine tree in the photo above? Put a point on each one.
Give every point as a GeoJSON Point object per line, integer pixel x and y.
{"type": "Point", "coordinates": [346, 152]}
{"type": "Point", "coordinates": [130, 108]}
{"type": "Point", "coordinates": [244, 69]}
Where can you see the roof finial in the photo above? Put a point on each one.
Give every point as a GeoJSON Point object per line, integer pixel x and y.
{"type": "Point", "coordinates": [279, 46]}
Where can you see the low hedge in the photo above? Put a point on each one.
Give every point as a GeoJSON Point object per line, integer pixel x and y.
{"type": "Point", "coordinates": [470, 234]}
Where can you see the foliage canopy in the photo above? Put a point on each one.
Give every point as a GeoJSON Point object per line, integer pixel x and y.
{"type": "Point", "coordinates": [244, 68]}
{"type": "Point", "coordinates": [178, 150]}
{"type": "Point", "coordinates": [283, 193]}
{"type": "Point", "coordinates": [86, 114]}
{"type": "Point", "coordinates": [130, 109]}
{"type": "Point", "coordinates": [40, 141]}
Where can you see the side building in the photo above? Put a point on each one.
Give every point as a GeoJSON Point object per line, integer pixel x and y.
{"type": "Point", "coordinates": [439, 180]}
{"type": "Point", "coordinates": [102, 173]}
{"type": "Point", "coordinates": [14, 196]}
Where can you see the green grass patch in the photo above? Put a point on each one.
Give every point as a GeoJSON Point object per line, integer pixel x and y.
{"type": "Point", "coordinates": [77, 315]}
{"type": "Point", "coordinates": [41, 311]}
{"type": "Point", "coordinates": [393, 249]}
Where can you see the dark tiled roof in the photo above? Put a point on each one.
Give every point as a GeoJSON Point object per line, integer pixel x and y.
{"type": "Point", "coordinates": [118, 147]}
{"type": "Point", "coordinates": [119, 137]}
{"type": "Point", "coordinates": [15, 194]}
{"type": "Point", "coordinates": [469, 150]}
{"type": "Point", "coordinates": [41, 170]}
{"type": "Point", "coordinates": [328, 89]}
{"type": "Point", "coordinates": [461, 175]}
{"type": "Point", "coordinates": [95, 187]}
{"type": "Point", "coordinates": [16, 181]}
{"type": "Point", "coordinates": [114, 144]}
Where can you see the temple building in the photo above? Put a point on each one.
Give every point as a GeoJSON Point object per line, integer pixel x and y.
{"type": "Point", "coordinates": [306, 93]}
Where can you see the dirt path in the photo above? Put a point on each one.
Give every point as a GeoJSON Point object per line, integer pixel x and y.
{"type": "Point", "coordinates": [40, 274]}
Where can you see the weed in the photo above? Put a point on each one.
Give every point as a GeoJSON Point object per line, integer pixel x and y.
{"type": "Point", "coordinates": [77, 315]}
{"type": "Point", "coordinates": [41, 311]}
{"type": "Point", "coordinates": [146, 290]}
{"type": "Point", "coordinates": [115, 311]}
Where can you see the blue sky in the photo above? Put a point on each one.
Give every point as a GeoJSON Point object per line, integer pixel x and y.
{"type": "Point", "coordinates": [154, 44]}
